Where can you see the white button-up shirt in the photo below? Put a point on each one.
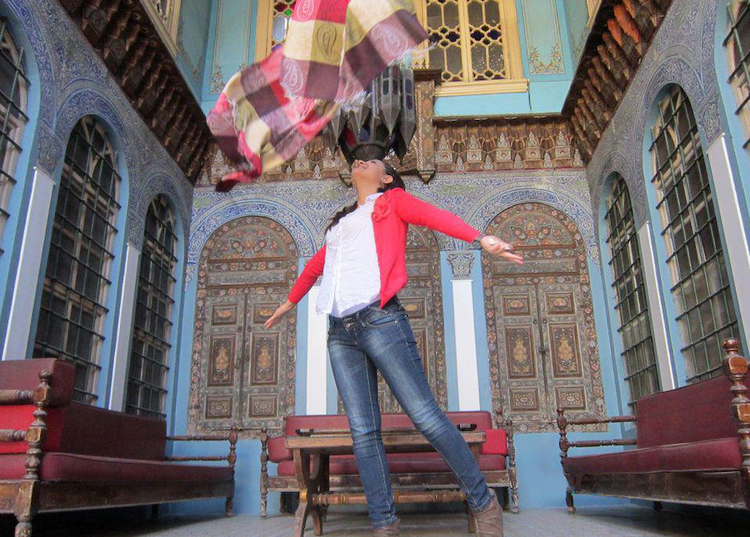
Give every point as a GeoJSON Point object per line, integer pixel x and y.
{"type": "Point", "coordinates": [351, 275]}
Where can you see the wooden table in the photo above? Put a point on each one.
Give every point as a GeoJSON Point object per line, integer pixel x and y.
{"type": "Point", "coordinates": [311, 465]}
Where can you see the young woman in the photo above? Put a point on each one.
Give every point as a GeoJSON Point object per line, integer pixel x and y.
{"type": "Point", "coordinates": [363, 264]}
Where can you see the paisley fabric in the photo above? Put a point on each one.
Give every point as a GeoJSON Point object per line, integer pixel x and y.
{"type": "Point", "coordinates": [333, 51]}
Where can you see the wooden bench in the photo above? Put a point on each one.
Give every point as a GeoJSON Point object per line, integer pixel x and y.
{"type": "Point", "coordinates": [692, 446]}
{"type": "Point", "coordinates": [59, 455]}
{"type": "Point", "coordinates": [423, 470]}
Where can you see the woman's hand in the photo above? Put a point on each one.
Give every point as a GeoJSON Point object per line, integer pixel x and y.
{"type": "Point", "coordinates": [282, 310]}
{"type": "Point", "coordinates": [496, 246]}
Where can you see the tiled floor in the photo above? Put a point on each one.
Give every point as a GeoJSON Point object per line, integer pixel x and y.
{"type": "Point", "coordinates": [629, 521]}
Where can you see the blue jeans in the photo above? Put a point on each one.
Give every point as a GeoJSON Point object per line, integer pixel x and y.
{"type": "Point", "coordinates": [375, 339]}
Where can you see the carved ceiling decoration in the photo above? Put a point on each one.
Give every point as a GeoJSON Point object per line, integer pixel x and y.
{"type": "Point", "coordinates": [125, 37]}
{"type": "Point", "coordinates": [504, 144]}
{"type": "Point", "coordinates": [620, 37]}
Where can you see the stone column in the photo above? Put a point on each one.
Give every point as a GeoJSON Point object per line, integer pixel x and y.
{"type": "Point", "coordinates": [30, 269]}
{"type": "Point", "coordinates": [124, 329]}
{"type": "Point", "coordinates": [461, 264]}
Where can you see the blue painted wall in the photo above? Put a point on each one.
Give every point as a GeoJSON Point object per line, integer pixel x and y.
{"type": "Point", "coordinates": [192, 42]}
{"type": "Point", "coordinates": [577, 18]}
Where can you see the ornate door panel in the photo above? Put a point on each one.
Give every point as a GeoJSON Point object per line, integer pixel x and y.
{"type": "Point", "coordinates": [542, 339]}
{"type": "Point", "coordinates": [422, 299]}
{"type": "Point", "coordinates": [243, 374]}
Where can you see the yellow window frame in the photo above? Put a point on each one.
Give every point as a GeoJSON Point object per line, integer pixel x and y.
{"type": "Point", "coordinates": [515, 83]}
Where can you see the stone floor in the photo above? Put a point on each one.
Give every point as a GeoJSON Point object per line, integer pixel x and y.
{"type": "Point", "coordinates": [627, 521]}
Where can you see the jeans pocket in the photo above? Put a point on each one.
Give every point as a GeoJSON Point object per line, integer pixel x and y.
{"type": "Point", "coordinates": [377, 317]}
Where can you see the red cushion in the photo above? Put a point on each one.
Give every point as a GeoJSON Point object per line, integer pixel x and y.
{"type": "Point", "coordinates": [696, 412]}
{"type": "Point", "coordinates": [277, 452]}
{"type": "Point", "coordinates": [88, 430]}
{"type": "Point", "coordinates": [719, 454]}
{"type": "Point", "coordinates": [81, 468]}
{"type": "Point", "coordinates": [24, 375]}
{"type": "Point", "coordinates": [400, 463]}
{"type": "Point", "coordinates": [496, 443]}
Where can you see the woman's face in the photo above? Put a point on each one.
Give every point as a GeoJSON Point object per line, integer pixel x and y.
{"type": "Point", "coordinates": [369, 173]}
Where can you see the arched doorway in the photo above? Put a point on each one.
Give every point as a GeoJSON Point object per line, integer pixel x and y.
{"type": "Point", "coordinates": [243, 374]}
{"type": "Point", "coordinates": [422, 299]}
{"type": "Point", "coordinates": [540, 321]}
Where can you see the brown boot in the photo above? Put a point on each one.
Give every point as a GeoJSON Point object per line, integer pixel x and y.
{"type": "Point", "coordinates": [490, 521]}
{"type": "Point", "coordinates": [392, 530]}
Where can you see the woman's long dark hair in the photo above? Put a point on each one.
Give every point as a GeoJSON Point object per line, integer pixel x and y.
{"type": "Point", "coordinates": [397, 182]}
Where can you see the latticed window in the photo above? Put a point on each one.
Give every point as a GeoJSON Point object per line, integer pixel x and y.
{"type": "Point", "coordinates": [475, 42]}
{"type": "Point", "coordinates": [273, 22]}
{"type": "Point", "coordinates": [13, 119]}
{"type": "Point", "coordinates": [73, 308]}
{"type": "Point", "coordinates": [642, 376]}
{"type": "Point", "coordinates": [701, 287]}
{"type": "Point", "coordinates": [149, 357]}
{"type": "Point", "coordinates": [738, 48]}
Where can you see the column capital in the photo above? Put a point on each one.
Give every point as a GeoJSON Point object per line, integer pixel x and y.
{"type": "Point", "coordinates": [461, 263]}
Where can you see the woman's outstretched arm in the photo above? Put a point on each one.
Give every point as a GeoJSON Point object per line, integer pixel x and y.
{"type": "Point", "coordinates": [415, 211]}
{"type": "Point", "coordinates": [313, 269]}
{"type": "Point", "coordinates": [420, 213]}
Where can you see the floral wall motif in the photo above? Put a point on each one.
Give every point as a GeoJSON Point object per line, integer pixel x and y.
{"type": "Point", "coordinates": [543, 41]}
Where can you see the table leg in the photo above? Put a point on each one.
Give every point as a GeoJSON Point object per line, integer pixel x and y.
{"type": "Point", "coordinates": [310, 483]}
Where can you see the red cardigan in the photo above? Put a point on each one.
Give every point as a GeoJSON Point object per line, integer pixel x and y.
{"type": "Point", "coordinates": [393, 213]}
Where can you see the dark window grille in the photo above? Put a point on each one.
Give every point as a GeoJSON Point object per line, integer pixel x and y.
{"type": "Point", "coordinates": [149, 357]}
{"type": "Point", "coordinates": [642, 376]}
{"type": "Point", "coordinates": [737, 43]}
{"type": "Point", "coordinates": [701, 287]}
{"type": "Point", "coordinates": [13, 105]}
{"type": "Point", "coordinates": [73, 308]}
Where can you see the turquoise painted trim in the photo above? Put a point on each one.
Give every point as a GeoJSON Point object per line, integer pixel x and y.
{"type": "Point", "coordinates": [176, 355]}
{"type": "Point", "coordinates": [480, 334]}
{"type": "Point", "coordinates": [522, 39]}
{"type": "Point", "coordinates": [300, 377]}
{"type": "Point", "coordinates": [571, 63]}
{"type": "Point", "coordinates": [12, 236]}
{"type": "Point", "coordinates": [610, 381]}
{"type": "Point", "coordinates": [612, 318]}
{"type": "Point", "coordinates": [209, 59]}
{"type": "Point", "coordinates": [548, 96]}
{"type": "Point", "coordinates": [449, 325]}
{"type": "Point", "coordinates": [253, 33]}
{"type": "Point", "coordinates": [182, 380]}
{"type": "Point", "coordinates": [483, 105]}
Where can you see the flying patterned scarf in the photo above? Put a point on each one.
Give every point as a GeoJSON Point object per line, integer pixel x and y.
{"type": "Point", "coordinates": [333, 50]}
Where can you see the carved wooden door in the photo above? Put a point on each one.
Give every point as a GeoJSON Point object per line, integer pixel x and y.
{"type": "Point", "coordinates": [243, 374]}
{"type": "Point", "coordinates": [422, 299]}
{"type": "Point", "coordinates": [542, 339]}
